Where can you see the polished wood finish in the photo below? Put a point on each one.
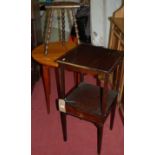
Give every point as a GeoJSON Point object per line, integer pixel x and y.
{"type": "Point", "coordinates": [99, 137]}
{"type": "Point", "coordinates": [112, 115]}
{"type": "Point", "coordinates": [56, 50]}
{"type": "Point", "coordinates": [86, 101]}
{"type": "Point", "coordinates": [64, 125]}
{"type": "Point", "coordinates": [46, 81]}
{"type": "Point", "coordinates": [117, 33]}
{"type": "Point", "coordinates": [119, 22]}
{"type": "Point", "coordinates": [87, 57]}
{"type": "Point", "coordinates": [116, 41]}
{"type": "Point", "coordinates": [62, 5]}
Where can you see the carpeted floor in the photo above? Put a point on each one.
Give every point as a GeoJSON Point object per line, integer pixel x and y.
{"type": "Point", "coordinates": [46, 128]}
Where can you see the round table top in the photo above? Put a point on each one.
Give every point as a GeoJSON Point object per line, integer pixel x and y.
{"type": "Point", "coordinates": [55, 50]}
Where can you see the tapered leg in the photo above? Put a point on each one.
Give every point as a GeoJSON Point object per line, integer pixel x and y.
{"type": "Point", "coordinates": [57, 81]}
{"type": "Point", "coordinates": [113, 114]}
{"type": "Point", "coordinates": [99, 138]}
{"type": "Point", "coordinates": [64, 125]}
{"type": "Point", "coordinates": [78, 77]}
{"type": "Point", "coordinates": [46, 82]}
{"type": "Point", "coordinates": [61, 95]}
{"type": "Point", "coordinates": [98, 82]}
{"type": "Point", "coordinates": [114, 80]}
{"type": "Point", "coordinates": [81, 77]}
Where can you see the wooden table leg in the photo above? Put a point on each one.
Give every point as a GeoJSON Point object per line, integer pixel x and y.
{"type": "Point", "coordinates": [61, 95]}
{"type": "Point", "coordinates": [78, 77]}
{"type": "Point", "coordinates": [46, 82]}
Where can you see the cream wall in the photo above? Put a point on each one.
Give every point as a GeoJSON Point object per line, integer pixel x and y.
{"type": "Point", "coordinates": [101, 10]}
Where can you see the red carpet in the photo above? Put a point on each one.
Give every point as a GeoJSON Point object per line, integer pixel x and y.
{"type": "Point", "coordinates": [46, 128]}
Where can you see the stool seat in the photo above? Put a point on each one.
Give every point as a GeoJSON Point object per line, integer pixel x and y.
{"type": "Point", "coordinates": [56, 49]}
{"type": "Point", "coordinates": [62, 5]}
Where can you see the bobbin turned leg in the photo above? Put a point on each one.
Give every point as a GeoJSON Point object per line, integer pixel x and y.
{"type": "Point", "coordinates": [48, 29]}
{"type": "Point", "coordinates": [76, 26]}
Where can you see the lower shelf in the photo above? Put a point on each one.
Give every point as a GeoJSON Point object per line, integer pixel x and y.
{"type": "Point", "coordinates": [86, 98]}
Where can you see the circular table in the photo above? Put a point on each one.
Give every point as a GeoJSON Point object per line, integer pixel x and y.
{"type": "Point", "coordinates": [55, 50]}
